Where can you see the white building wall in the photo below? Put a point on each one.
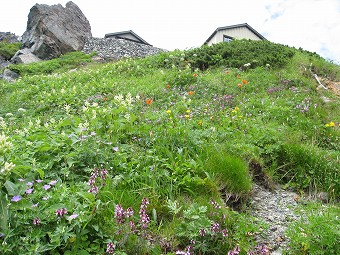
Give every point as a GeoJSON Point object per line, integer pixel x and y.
{"type": "Point", "coordinates": [238, 33]}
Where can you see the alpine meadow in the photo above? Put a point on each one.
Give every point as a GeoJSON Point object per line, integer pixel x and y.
{"type": "Point", "coordinates": [159, 155]}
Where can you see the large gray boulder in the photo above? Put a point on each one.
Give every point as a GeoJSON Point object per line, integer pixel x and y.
{"type": "Point", "coordinates": [55, 30]}
{"type": "Point", "coordinates": [24, 56]}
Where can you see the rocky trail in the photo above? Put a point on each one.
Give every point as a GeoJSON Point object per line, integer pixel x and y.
{"type": "Point", "coordinates": [275, 208]}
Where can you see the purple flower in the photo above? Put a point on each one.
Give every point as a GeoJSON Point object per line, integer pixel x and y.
{"type": "Point", "coordinates": [46, 187]}
{"type": "Point", "coordinates": [73, 216]}
{"type": "Point", "coordinates": [30, 184]}
{"type": "Point", "coordinates": [202, 232]}
{"type": "Point", "coordinates": [61, 212]}
{"type": "Point", "coordinates": [29, 191]}
{"type": "Point", "coordinates": [132, 226]}
{"type": "Point", "coordinates": [21, 180]}
{"type": "Point", "coordinates": [224, 232]}
{"type": "Point", "coordinates": [16, 199]}
{"type": "Point", "coordinates": [236, 251]}
{"type": "Point", "coordinates": [39, 181]}
{"type": "Point", "coordinates": [35, 205]}
{"type": "Point", "coordinates": [115, 149]}
{"type": "Point", "coordinates": [144, 217]}
{"type": "Point", "coordinates": [110, 248]}
{"type": "Point", "coordinates": [129, 212]}
{"type": "Point", "coordinates": [119, 214]}
{"type": "Point", "coordinates": [215, 227]}
{"type": "Point", "coordinates": [53, 182]}
{"type": "Point", "coordinates": [36, 221]}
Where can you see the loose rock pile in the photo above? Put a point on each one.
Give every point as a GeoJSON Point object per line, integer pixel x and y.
{"type": "Point", "coordinates": [111, 49]}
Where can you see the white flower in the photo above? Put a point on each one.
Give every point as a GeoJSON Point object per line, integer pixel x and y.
{"type": "Point", "coordinates": [9, 114]}
{"type": "Point", "coordinates": [21, 110]}
{"type": "Point", "coordinates": [62, 91]}
{"type": "Point", "coordinates": [4, 143]}
{"type": "Point", "coordinates": [247, 65]}
{"type": "Point", "coordinates": [95, 104]}
{"type": "Point", "coordinates": [37, 122]}
{"type": "Point", "coordinates": [7, 167]}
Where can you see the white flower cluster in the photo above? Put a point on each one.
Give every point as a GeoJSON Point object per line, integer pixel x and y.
{"type": "Point", "coordinates": [121, 101]}
{"type": "Point", "coordinates": [5, 145]}
{"type": "Point", "coordinates": [7, 167]}
{"type": "Point", "coordinates": [3, 124]}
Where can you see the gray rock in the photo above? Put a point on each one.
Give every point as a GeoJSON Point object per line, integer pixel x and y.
{"type": "Point", "coordinates": [112, 48]}
{"type": "Point", "coordinates": [9, 37]}
{"type": "Point", "coordinates": [9, 75]}
{"type": "Point", "coordinates": [3, 62]}
{"type": "Point", "coordinates": [55, 30]}
{"type": "Point", "coordinates": [24, 56]}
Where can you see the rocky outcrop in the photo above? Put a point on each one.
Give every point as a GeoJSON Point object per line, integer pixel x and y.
{"type": "Point", "coordinates": [9, 75]}
{"type": "Point", "coordinates": [55, 30]}
{"type": "Point", "coordinates": [110, 48]}
{"type": "Point", "coordinates": [24, 56]}
{"type": "Point", "coordinates": [8, 37]}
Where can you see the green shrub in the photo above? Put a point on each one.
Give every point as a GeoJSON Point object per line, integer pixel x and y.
{"type": "Point", "coordinates": [240, 53]}
{"type": "Point", "coordinates": [61, 64]}
{"type": "Point", "coordinates": [7, 50]}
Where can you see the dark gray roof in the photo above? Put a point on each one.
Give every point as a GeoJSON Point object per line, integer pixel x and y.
{"type": "Point", "coordinates": [236, 26]}
{"type": "Point", "coordinates": [122, 33]}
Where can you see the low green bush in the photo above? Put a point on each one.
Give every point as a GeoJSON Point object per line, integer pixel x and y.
{"type": "Point", "coordinates": [7, 50]}
{"type": "Point", "coordinates": [61, 64]}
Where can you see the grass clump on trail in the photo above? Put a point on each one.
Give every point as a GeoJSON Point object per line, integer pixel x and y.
{"type": "Point", "coordinates": [140, 156]}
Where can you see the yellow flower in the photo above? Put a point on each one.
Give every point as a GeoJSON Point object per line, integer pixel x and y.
{"type": "Point", "coordinates": [331, 124]}
{"type": "Point", "coordinates": [188, 111]}
{"type": "Point", "coordinates": [168, 111]}
{"type": "Point", "coordinates": [327, 125]}
{"type": "Point", "coordinates": [200, 123]}
{"type": "Point", "coordinates": [187, 116]}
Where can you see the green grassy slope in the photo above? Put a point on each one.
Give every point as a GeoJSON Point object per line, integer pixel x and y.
{"type": "Point", "coordinates": [171, 136]}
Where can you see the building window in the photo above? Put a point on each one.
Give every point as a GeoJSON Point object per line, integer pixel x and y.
{"type": "Point", "coordinates": [227, 38]}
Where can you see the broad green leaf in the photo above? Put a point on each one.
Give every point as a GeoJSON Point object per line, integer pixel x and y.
{"type": "Point", "coordinates": [12, 189]}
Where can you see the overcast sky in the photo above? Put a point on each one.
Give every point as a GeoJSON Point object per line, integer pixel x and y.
{"type": "Point", "coordinates": [313, 25]}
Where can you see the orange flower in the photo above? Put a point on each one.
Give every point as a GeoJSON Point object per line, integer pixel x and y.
{"type": "Point", "coordinates": [227, 71]}
{"type": "Point", "coordinates": [168, 86]}
{"type": "Point", "coordinates": [105, 98]}
{"type": "Point", "coordinates": [148, 101]}
{"type": "Point", "coordinates": [240, 85]}
{"type": "Point", "coordinates": [244, 81]}
{"type": "Point", "coordinates": [190, 93]}
{"type": "Point", "coordinates": [195, 74]}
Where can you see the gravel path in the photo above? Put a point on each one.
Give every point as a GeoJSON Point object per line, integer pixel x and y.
{"type": "Point", "coordinates": [275, 208]}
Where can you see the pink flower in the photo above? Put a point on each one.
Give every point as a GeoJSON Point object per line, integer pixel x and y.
{"type": "Point", "coordinates": [36, 221]}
